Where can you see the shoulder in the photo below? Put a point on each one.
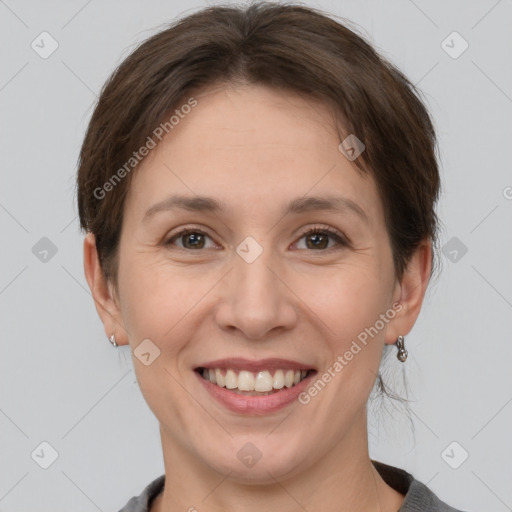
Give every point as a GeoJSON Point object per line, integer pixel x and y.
{"type": "Point", "coordinates": [418, 497]}
{"type": "Point", "coordinates": [142, 502]}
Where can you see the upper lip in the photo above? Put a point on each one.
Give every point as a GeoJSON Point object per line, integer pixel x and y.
{"type": "Point", "coordinates": [256, 365]}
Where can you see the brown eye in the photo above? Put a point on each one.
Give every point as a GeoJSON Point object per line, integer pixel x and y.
{"type": "Point", "coordinates": [190, 239]}
{"type": "Point", "coordinates": [319, 238]}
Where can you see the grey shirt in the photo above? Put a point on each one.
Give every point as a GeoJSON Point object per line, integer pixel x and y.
{"type": "Point", "coordinates": [418, 497]}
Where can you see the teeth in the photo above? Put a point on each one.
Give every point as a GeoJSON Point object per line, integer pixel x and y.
{"type": "Point", "coordinates": [245, 381]}
{"type": "Point", "coordinates": [219, 378]}
{"type": "Point", "coordinates": [288, 378]}
{"type": "Point", "coordinates": [262, 382]}
{"type": "Point", "coordinates": [278, 379]}
{"type": "Point", "coordinates": [231, 379]}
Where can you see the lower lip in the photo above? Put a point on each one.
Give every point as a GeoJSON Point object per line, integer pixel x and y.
{"type": "Point", "coordinates": [255, 405]}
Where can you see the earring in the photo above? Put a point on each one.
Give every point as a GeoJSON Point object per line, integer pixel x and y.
{"type": "Point", "coordinates": [113, 340]}
{"type": "Point", "coordinates": [402, 353]}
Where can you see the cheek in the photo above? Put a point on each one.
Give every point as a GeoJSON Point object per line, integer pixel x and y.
{"type": "Point", "coordinates": [156, 295]}
{"type": "Point", "coordinates": [346, 299]}
{"type": "Point", "coordinates": [156, 307]}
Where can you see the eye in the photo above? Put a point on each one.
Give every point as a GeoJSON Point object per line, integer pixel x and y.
{"type": "Point", "coordinates": [320, 236]}
{"type": "Point", "coordinates": [317, 238]}
{"type": "Point", "coordinates": [192, 239]}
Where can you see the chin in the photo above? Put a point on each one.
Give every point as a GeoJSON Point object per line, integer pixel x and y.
{"type": "Point", "coordinates": [256, 463]}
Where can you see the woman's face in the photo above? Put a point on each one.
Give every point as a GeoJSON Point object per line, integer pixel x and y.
{"type": "Point", "coordinates": [248, 283]}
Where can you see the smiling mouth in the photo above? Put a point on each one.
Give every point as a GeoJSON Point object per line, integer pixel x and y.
{"type": "Point", "coordinates": [243, 382]}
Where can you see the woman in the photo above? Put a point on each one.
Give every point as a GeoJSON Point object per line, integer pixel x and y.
{"type": "Point", "coordinates": [258, 188]}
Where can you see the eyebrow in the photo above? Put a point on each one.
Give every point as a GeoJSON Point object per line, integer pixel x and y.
{"type": "Point", "coordinates": [297, 206]}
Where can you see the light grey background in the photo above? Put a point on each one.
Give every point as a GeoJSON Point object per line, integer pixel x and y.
{"type": "Point", "coordinates": [62, 382]}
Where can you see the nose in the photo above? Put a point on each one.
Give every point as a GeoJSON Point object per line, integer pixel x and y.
{"type": "Point", "coordinates": [255, 298]}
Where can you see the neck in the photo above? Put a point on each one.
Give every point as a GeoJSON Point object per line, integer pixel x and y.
{"type": "Point", "coordinates": [344, 479]}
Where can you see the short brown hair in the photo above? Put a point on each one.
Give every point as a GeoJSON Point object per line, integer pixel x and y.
{"type": "Point", "coordinates": [288, 46]}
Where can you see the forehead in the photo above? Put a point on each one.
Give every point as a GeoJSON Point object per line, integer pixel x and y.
{"type": "Point", "coordinates": [257, 120]}
{"type": "Point", "coordinates": [252, 147]}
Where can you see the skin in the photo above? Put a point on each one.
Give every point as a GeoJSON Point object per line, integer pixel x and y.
{"type": "Point", "coordinates": [255, 149]}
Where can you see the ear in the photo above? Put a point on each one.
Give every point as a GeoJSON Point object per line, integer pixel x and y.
{"type": "Point", "coordinates": [103, 293]}
{"type": "Point", "coordinates": [409, 292]}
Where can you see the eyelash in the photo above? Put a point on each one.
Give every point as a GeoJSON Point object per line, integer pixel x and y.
{"type": "Point", "coordinates": [324, 230]}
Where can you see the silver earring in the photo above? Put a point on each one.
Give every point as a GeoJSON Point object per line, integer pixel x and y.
{"type": "Point", "coordinates": [113, 340]}
{"type": "Point", "coordinates": [402, 353]}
